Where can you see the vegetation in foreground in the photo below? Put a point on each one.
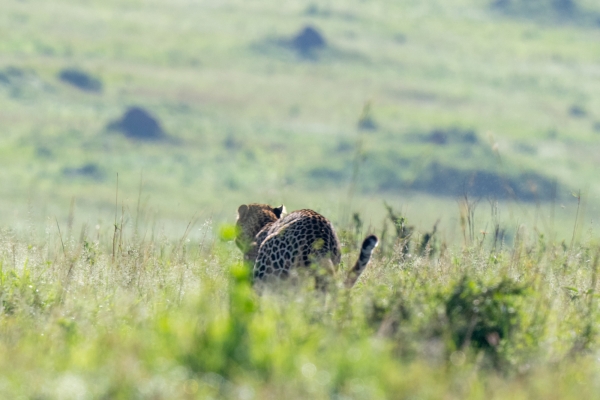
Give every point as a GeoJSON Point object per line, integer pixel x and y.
{"type": "Point", "coordinates": [126, 315]}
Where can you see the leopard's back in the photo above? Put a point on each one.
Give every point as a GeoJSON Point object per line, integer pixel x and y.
{"type": "Point", "coordinates": [297, 240]}
{"type": "Point", "coordinates": [275, 243]}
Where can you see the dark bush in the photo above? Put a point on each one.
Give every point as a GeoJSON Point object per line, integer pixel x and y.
{"type": "Point", "coordinates": [21, 82]}
{"type": "Point", "coordinates": [539, 6]}
{"type": "Point", "coordinates": [482, 316]}
{"type": "Point", "coordinates": [80, 79]}
{"type": "Point", "coordinates": [442, 137]}
{"type": "Point", "coordinates": [307, 41]}
{"type": "Point", "coordinates": [577, 111]}
{"type": "Point", "coordinates": [11, 74]}
{"type": "Point", "coordinates": [367, 124]}
{"type": "Point", "coordinates": [89, 170]}
{"type": "Point", "coordinates": [443, 180]}
{"type": "Point", "coordinates": [138, 123]}
{"type": "Point", "coordinates": [327, 173]}
{"type": "Point", "coordinates": [366, 121]}
{"type": "Point", "coordinates": [548, 10]}
{"type": "Point", "coordinates": [566, 7]}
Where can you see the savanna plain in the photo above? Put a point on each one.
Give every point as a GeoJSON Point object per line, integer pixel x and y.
{"type": "Point", "coordinates": [464, 133]}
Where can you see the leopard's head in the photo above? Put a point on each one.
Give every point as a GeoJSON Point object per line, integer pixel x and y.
{"type": "Point", "coordinates": [251, 219]}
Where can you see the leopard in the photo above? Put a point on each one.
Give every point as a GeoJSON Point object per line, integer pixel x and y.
{"type": "Point", "coordinates": [276, 244]}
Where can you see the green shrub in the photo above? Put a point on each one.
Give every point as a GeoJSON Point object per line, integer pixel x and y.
{"type": "Point", "coordinates": [482, 316]}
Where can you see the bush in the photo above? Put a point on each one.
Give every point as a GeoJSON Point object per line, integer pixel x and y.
{"type": "Point", "coordinates": [482, 317]}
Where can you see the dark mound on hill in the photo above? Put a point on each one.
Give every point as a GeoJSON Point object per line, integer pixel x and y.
{"type": "Point", "coordinates": [574, 12]}
{"type": "Point", "coordinates": [447, 181]}
{"type": "Point", "coordinates": [10, 75]}
{"type": "Point", "coordinates": [563, 8]}
{"type": "Point", "coordinates": [90, 171]}
{"type": "Point", "coordinates": [22, 82]}
{"type": "Point", "coordinates": [307, 41]}
{"type": "Point", "coordinates": [366, 121]}
{"type": "Point", "coordinates": [80, 79]}
{"type": "Point", "coordinates": [139, 124]}
{"type": "Point", "coordinates": [443, 137]}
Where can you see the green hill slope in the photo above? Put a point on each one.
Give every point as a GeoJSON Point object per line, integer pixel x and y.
{"type": "Point", "coordinates": [496, 99]}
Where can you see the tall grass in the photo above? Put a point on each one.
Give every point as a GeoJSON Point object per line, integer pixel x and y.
{"type": "Point", "coordinates": [178, 319]}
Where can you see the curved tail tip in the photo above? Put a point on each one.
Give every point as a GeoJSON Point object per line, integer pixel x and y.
{"type": "Point", "coordinates": [370, 243]}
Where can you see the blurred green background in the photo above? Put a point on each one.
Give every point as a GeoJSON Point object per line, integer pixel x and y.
{"type": "Point", "coordinates": [414, 103]}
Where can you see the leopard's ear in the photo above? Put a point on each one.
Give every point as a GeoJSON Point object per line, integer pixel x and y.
{"type": "Point", "coordinates": [280, 211]}
{"type": "Point", "coordinates": [242, 210]}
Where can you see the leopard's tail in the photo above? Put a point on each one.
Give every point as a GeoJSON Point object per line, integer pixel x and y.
{"type": "Point", "coordinates": [366, 250]}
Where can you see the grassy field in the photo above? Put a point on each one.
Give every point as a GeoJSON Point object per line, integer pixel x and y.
{"type": "Point", "coordinates": [117, 275]}
{"type": "Point", "coordinates": [119, 315]}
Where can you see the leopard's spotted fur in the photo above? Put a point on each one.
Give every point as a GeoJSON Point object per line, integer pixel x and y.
{"type": "Point", "coordinates": [276, 243]}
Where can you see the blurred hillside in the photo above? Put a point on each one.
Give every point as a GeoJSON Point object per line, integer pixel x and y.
{"type": "Point", "coordinates": [199, 106]}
